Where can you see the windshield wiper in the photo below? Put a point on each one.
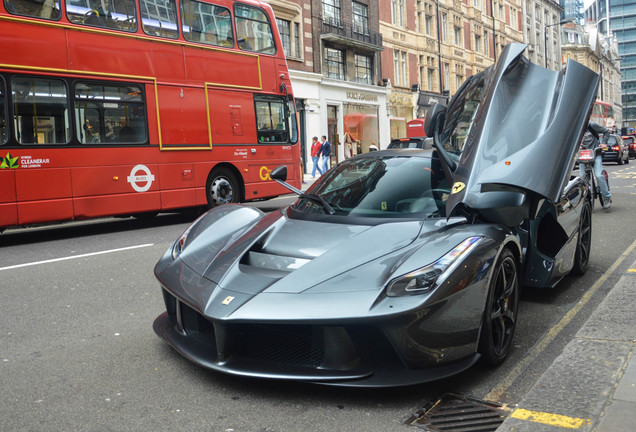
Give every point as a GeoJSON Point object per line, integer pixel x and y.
{"type": "Point", "coordinates": [319, 199]}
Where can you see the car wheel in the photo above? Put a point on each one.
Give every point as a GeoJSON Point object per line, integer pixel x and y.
{"type": "Point", "coordinates": [500, 317]}
{"type": "Point", "coordinates": [583, 245]}
{"type": "Point", "coordinates": [222, 187]}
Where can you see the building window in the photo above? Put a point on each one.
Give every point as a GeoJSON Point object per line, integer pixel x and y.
{"type": "Point", "coordinates": [399, 68]}
{"type": "Point", "coordinates": [335, 64]}
{"type": "Point", "coordinates": [404, 69]}
{"type": "Point", "coordinates": [364, 69]}
{"type": "Point", "coordinates": [486, 50]}
{"type": "Point", "coordinates": [397, 10]}
{"type": "Point", "coordinates": [285, 35]}
{"type": "Point", "coordinates": [429, 79]}
{"type": "Point", "coordinates": [331, 11]}
{"type": "Point", "coordinates": [444, 25]}
{"type": "Point", "coordinates": [296, 37]}
{"type": "Point", "coordinates": [446, 76]}
{"type": "Point", "coordinates": [360, 18]}
{"type": "Point", "coordinates": [477, 42]}
{"type": "Point", "coordinates": [428, 25]}
{"type": "Point", "coordinates": [458, 35]}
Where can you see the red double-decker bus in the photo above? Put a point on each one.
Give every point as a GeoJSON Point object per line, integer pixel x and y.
{"type": "Point", "coordinates": [120, 107]}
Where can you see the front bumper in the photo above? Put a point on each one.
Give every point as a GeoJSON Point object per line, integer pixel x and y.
{"type": "Point", "coordinates": [347, 355]}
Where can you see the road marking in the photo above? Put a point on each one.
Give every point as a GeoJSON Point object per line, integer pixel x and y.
{"type": "Point", "coordinates": [550, 419]}
{"type": "Point", "coordinates": [75, 256]}
{"type": "Point", "coordinates": [512, 376]}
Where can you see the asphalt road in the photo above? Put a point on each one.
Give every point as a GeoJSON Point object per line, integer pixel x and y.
{"type": "Point", "coordinates": [78, 353]}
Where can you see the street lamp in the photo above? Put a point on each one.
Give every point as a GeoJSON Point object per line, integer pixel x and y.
{"type": "Point", "coordinates": [545, 39]}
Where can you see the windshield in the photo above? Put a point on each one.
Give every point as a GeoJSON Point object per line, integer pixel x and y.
{"type": "Point", "coordinates": [382, 186]}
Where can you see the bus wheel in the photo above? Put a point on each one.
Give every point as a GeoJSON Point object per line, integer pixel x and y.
{"type": "Point", "coordinates": [222, 187]}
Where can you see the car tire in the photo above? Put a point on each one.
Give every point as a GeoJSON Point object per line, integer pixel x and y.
{"type": "Point", "coordinates": [584, 242]}
{"type": "Point", "coordinates": [222, 187]}
{"type": "Point", "coordinates": [500, 314]}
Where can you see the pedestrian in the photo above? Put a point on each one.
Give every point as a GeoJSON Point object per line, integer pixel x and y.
{"type": "Point", "coordinates": [315, 156]}
{"type": "Point", "coordinates": [325, 152]}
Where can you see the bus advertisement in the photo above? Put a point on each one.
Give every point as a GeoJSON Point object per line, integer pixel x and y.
{"type": "Point", "coordinates": [107, 109]}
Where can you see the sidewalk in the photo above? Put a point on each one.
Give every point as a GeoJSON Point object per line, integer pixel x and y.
{"type": "Point", "coordinates": [591, 386]}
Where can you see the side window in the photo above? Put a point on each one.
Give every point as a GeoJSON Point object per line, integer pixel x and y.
{"type": "Point", "coordinates": [110, 114]}
{"type": "Point", "coordinates": [461, 113]}
{"type": "Point", "coordinates": [115, 14]}
{"type": "Point", "coordinates": [3, 115]}
{"type": "Point", "coordinates": [159, 18]}
{"type": "Point", "coordinates": [45, 9]}
{"type": "Point", "coordinates": [40, 110]}
{"type": "Point", "coordinates": [206, 23]}
{"type": "Point", "coordinates": [253, 30]}
{"type": "Point", "coordinates": [272, 119]}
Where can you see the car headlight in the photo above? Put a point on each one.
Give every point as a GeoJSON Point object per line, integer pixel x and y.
{"type": "Point", "coordinates": [180, 244]}
{"type": "Point", "coordinates": [425, 279]}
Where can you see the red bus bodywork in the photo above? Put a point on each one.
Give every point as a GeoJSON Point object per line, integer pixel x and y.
{"type": "Point", "coordinates": [199, 105]}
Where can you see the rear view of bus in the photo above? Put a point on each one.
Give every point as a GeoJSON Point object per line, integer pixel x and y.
{"type": "Point", "coordinates": [119, 107]}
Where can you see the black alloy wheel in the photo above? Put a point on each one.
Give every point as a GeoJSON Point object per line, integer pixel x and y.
{"type": "Point", "coordinates": [500, 319]}
{"type": "Point", "coordinates": [584, 243]}
{"type": "Point", "coordinates": [222, 187]}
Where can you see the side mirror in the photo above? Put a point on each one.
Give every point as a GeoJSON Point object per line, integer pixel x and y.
{"type": "Point", "coordinates": [279, 173]}
{"type": "Point", "coordinates": [432, 117]}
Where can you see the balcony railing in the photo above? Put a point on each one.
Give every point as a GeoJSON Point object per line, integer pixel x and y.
{"type": "Point", "coordinates": [352, 32]}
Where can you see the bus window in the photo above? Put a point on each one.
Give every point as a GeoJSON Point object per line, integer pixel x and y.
{"type": "Point", "coordinates": [46, 9]}
{"type": "Point", "coordinates": [159, 18]}
{"type": "Point", "coordinates": [115, 14]}
{"type": "Point", "coordinates": [272, 119]}
{"type": "Point", "coordinates": [109, 114]}
{"type": "Point", "coordinates": [206, 23]}
{"type": "Point", "coordinates": [40, 110]}
{"type": "Point", "coordinates": [253, 30]}
{"type": "Point", "coordinates": [3, 117]}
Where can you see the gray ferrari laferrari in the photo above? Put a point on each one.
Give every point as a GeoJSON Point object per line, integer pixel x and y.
{"type": "Point", "coordinates": [399, 266]}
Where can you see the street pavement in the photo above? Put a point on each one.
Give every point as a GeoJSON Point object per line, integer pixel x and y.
{"type": "Point", "coordinates": [591, 386]}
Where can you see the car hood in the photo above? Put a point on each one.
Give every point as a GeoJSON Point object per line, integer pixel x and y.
{"type": "Point", "coordinates": [277, 254]}
{"type": "Point", "coordinates": [523, 137]}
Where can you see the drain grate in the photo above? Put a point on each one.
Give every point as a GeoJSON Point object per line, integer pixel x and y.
{"type": "Point", "coordinates": [455, 413]}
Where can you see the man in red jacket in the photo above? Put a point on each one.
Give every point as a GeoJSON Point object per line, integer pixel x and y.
{"type": "Point", "coordinates": [315, 156]}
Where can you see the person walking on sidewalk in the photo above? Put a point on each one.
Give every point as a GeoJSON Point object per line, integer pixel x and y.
{"type": "Point", "coordinates": [325, 152]}
{"type": "Point", "coordinates": [315, 156]}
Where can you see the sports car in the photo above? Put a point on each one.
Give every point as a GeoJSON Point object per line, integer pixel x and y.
{"type": "Point", "coordinates": [400, 266]}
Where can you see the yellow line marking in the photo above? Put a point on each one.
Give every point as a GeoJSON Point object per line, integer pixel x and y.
{"type": "Point", "coordinates": [500, 388]}
{"type": "Point", "coordinates": [631, 270]}
{"type": "Point", "coordinates": [550, 419]}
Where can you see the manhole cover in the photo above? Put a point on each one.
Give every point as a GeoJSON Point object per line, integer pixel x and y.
{"type": "Point", "coordinates": [454, 413]}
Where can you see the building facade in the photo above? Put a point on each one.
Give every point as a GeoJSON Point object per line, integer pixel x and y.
{"type": "Point", "coordinates": [620, 23]}
{"type": "Point", "coordinates": [542, 32]}
{"type": "Point", "coordinates": [333, 53]}
{"type": "Point", "coordinates": [431, 47]}
{"type": "Point", "coordinates": [584, 44]}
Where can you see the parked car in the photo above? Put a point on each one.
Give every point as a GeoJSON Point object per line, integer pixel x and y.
{"type": "Point", "coordinates": [398, 266]}
{"type": "Point", "coordinates": [615, 150]}
{"type": "Point", "coordinates": [630, 143]}
{"type": "Point", "coordinates": [417, 142]}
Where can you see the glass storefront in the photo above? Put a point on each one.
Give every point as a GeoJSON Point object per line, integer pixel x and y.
{"type": "Point", "coordinates": [361, 128]}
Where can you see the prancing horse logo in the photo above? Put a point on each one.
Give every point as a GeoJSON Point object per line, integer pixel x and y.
{"type": "Point", "coordinates": [458, 187]}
